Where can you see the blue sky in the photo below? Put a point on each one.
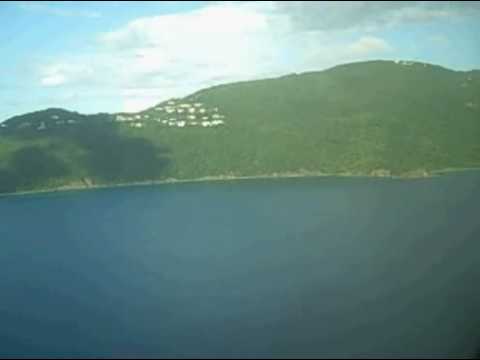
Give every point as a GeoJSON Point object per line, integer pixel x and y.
{"type": "Point", "coordinates": [124, 56]}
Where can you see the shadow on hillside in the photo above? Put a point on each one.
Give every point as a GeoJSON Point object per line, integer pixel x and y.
{"type": "Point", "coordinates": [107, 156]}
{"type": "Point", "coordinates": [112, 157]}
{"type": "Point", "coordinates": [8, 181]}
{"type": "Point", "coordinates": [31, 166]}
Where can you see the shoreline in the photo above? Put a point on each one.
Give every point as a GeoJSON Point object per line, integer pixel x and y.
{"type": "Point", "coordinates": [226, 178]}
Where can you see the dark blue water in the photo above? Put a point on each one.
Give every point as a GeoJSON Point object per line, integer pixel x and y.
{"type": "Point", "coordinates": [304, 267]}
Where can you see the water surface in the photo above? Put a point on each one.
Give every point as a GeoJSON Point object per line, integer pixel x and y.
{"type": "Point", "coordinates": [292, 267]}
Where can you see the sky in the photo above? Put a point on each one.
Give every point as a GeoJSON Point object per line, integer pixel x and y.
{"type": "Point", "coordinates": [95, 56]}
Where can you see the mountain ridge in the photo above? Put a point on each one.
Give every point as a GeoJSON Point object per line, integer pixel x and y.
{"type": "Point", "coordinates": [376, 118]}
{"type": "Point", "coordinates": [293, 74]}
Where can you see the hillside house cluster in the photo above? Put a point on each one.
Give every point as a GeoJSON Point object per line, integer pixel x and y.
{"type": "Point", "coordinates": [52, 121]}
{"type": "Point", "coordinates": [170, 114]}
{"type": "Point", "coordinates": [409, 63]}
{"type": "Point", "coordinates": [406, 63]}
{"type": "Point", "coordinates": [176, 114]}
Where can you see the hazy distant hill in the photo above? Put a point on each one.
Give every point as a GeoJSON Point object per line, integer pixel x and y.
{"type": "Point", "coordinates": [370, 118]}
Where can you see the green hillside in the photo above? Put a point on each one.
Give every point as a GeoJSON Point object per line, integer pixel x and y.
{"type": "Point", "coordinates": [369, 118]}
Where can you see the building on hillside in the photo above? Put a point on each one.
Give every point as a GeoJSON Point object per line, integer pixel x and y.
{"type": "Point", "coordinates": [122, 118]}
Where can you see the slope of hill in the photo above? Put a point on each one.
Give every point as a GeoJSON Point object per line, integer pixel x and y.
{"type": "Point", "coordinates": [369, 118]}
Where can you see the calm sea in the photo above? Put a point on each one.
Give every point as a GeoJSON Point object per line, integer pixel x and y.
{"type": "Point", "coordinates": [267, 268]}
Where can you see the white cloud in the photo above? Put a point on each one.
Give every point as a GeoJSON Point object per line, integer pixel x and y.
{"type": "Point", "coordinates": [53, 80]}
{"type": "Point", "coordinates": [213, 23]}
{"type": "Point", "coordinates": [217, 39]}
{"type": "Point", "coordinates": [368, 45]}
{"type": "Point", "coordinates": [65, 72]}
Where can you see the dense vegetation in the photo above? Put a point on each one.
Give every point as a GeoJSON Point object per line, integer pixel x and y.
{"type": "Point", "coordinates": [371, 118]}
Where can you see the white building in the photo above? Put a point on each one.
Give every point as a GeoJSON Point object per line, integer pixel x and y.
{"type": "Point", "coordinates": [191, 110]}
{"type": "Point", "coordinates": [180, 111]}
{"type": "Point", "coordinates": [181, 123]}
{"type": "Point", "coordinates": [55, 117]}
{"type": "Point", "coordinates": [191, 117]}
{"type": "Point", "coordinates": [202, 111]}
{"type": "Point", "coordinates": [204, 117]}
{"type": "Point", "coordinates": [122, 118]}
{"type": "Point", "coordinates": [197, 104]}
{"type": "Point", "coordinates": [42, 126]}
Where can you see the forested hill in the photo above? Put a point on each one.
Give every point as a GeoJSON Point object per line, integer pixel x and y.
{"type": "Point", "coordinates": [370, 118]}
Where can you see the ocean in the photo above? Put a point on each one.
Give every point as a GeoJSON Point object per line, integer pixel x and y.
{"type": "Point", "coordinates": [307, 267]}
